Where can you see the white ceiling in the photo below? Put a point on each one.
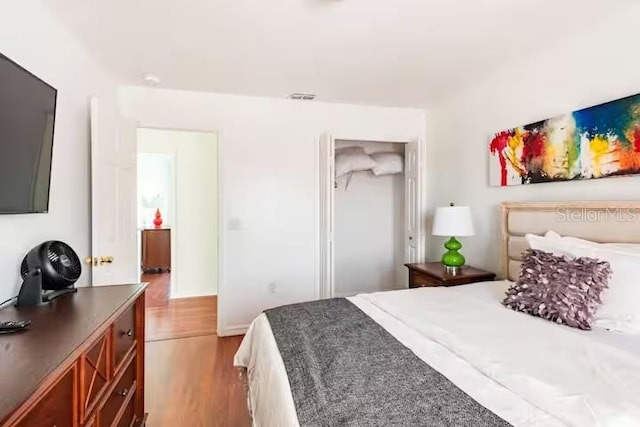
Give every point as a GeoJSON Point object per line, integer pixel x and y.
{"type": "Point", "coordinates": [384, 52]}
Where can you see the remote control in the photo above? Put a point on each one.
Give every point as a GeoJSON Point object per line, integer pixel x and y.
{"type": "Point", "coordinates": [13, 326]}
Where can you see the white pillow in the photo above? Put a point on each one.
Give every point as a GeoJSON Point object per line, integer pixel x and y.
{"type": "Point", "coordinates": [556, 246]}
{"type": "Point", "coordinates": [387, 163]}
{"type": "Point", "coordinates": [631, 247]}
{"type": "Point", "coordinates": [620, 310]}
{"type": "Point", "coordinates": [352, 159]}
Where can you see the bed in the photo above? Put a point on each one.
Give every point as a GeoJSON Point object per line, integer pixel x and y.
{"type": "Point", "coordinates": [456, 356]}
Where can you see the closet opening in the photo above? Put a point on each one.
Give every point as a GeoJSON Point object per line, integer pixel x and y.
{"type": "Point", "coordinates": [371, 207]}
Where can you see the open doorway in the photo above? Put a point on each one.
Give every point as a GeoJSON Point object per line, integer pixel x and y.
{"type": "Point", "coordinates": [178, 231]}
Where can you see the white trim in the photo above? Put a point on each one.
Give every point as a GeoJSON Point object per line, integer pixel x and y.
{"type": "Point", "coordinates": [324, 220]}
{"type": "Point", "coordinates": [421, 204]}
{"type": "Point", "coordinates": [222, 234]}
{"type": "Point", "coordinates": [317, 285]}
{"type": "Point", "coordinates": [393, 139]}
{"type": "Point", "coordinates": [187, 296]}
{"type": "Point", "coordinates": [324, 256]}
{"type": "Point", "coordinates": [232, 330]}
{"type": "Point", "coordinates": [173, 231]}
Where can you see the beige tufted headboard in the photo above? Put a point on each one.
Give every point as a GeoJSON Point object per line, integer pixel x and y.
{"type": "Point", "coordinates": [605, 222]}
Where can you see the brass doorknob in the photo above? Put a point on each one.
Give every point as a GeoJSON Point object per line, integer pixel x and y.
{"type": "Point", "coordinates": [106, 259]}
{"type": "Point", "coordinates": [96, 261]}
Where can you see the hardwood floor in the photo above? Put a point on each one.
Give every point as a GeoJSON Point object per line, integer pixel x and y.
{"type": "Point", "coordinates": [192, 382]}
{"type": "Point", "coordinates": [158, 290]}
{"type": "Point", "coordinates": [176, 318]}
{"type": "Point", "coordinates": [182, 318]}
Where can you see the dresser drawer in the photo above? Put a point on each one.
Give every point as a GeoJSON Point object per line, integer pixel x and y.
{"type": "Point", "coordinates": [129, 415]}
{"type": "Point", "coordinates": [56, 408]}
{"type": "Point", "coordinates": [94, 373]}
{"type": "Point", "coordinates": [124, 335]}
{"type": "Point", "coordinates": [119, 396]}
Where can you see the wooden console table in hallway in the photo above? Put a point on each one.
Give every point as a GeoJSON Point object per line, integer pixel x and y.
{"type": "Point", "coordinates": [156, 249]}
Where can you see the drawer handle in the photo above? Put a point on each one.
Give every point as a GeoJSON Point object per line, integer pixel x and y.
{"type": "Point", "coordinates": [122, 393]}
{"type": "Point", "coordinates": [128, 333]}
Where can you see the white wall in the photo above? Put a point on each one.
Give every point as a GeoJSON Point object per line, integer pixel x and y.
{"type": "Point", "coordinates": [269, 183]}
{"type": "Point", "coordinates": [596, 66]}
{"type": "Point", "coordinates": [195, 229]}
{"type": "Point", "coordinates": [33, 37]}
{"type": "Point", "coordinates": [369, 229]}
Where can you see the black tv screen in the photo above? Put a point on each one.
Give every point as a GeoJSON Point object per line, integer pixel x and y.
{"type": "Point", "coordinates": [27, 118]}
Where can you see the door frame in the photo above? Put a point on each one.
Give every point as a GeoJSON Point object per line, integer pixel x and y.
{"type": "Point", "coordinates": [325, 253]}
{"type": "Point", "coordinates": [221, 238]}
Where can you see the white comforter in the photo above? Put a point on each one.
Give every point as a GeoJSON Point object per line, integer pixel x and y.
{"type": "Point", "coordinates": [528, 371]}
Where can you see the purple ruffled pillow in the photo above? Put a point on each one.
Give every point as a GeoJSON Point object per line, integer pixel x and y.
{"type": "Point", "coordinates": [560, 289]}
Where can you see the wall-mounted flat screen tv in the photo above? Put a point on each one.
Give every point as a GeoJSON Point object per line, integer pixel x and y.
{"type": "Point", "coordinates": [27, 118]}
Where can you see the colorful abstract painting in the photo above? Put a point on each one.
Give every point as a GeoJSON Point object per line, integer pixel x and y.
{"type": "Point", "coordinates": [596, 142]}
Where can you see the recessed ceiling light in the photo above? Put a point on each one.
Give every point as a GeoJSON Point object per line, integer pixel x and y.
{"type": "Point", "coordinates": [152, 79]}
{"type": "Point", "coordinates": [302, 96]}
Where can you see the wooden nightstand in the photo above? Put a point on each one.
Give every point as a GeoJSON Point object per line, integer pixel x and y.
{"type": "Point", "coordinates": [433, 274]}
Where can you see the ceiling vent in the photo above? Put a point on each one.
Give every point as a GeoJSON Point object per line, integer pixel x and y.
{"type": "Point", "coordinates": [302, 96]}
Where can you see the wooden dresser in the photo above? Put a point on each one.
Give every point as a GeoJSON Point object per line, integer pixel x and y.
{"type": "Point", "coordinates": [156, 249]}
{"type": "Point", "coordinates": [81, 363]}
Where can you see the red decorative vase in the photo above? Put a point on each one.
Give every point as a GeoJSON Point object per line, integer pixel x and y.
{"type": "Point", "coordinates": [158, 221]}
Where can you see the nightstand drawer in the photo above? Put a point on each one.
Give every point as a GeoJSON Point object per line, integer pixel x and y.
{"type": "Point", "coordinates": [419, 280]}
{"type": "Point", "coordinates": [431, 274]}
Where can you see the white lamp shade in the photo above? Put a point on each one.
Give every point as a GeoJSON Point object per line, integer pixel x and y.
{"type": "Point", "coordinates": [452, 221]}
{"type": "Point", "coordinates": [153, 202]}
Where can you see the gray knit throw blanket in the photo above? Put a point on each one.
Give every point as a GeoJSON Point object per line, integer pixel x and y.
{"type": "Point", "coordinates": [346, 370]}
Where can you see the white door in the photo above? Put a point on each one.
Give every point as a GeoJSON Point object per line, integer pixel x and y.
{"type": "Point", "coordinates": [113, 196]}
{"type": "Point", "coordinates": [327, 182]}
{"type": "Point", "coordinates": [414, 234]}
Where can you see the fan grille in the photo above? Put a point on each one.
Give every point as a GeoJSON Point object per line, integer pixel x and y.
{"type": "Point", "coordinates": [64, 260]}
{"type": "Point", "coordinates": [24, 267]}
{"type": "Point", "coordinates": [58, 263]}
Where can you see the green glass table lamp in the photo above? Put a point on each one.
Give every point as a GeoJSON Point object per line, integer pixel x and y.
{"type": "Point", "coordinates": [452, 221]}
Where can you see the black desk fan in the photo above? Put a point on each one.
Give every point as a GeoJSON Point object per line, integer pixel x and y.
{"type": "Point", "coordinates": [48, 271]}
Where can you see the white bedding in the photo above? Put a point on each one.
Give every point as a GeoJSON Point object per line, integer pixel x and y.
{"type": "Point", "coordinates": [528, 371]}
